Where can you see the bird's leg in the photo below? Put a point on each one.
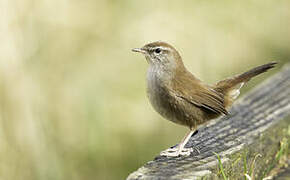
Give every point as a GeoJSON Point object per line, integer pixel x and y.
{"type": "Point", "coordinates": [180, 149]}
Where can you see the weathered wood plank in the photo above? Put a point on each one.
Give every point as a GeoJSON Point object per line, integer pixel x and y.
{"type": "Point", "coordinates": [255, 126]}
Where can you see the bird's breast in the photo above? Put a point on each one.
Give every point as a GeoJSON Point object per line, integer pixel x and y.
{"type": "Point", "coordinates": [158, 91]}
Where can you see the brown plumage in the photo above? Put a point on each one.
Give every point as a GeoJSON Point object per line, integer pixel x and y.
{"type": "Point", "coordinates": [228, 85]}
{"type": "Point", "coordinates": [182, 98]}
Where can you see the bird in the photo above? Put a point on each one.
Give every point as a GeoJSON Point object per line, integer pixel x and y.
{"type": "Point", "coordinates": [179, 96]}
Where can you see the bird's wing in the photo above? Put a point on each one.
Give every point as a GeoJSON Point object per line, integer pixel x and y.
{"type": "Point", "coordinates": [200, 95]}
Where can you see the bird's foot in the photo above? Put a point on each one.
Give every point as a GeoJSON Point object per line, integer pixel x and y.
{"type": "Point", "coordinates": [174, 152]}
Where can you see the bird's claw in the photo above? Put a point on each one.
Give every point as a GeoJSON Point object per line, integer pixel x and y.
{"type": "Point", "coordinates": [174, 152]}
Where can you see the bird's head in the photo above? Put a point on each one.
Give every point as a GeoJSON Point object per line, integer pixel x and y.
{"type": "Point", "coordinates": [161, 54]}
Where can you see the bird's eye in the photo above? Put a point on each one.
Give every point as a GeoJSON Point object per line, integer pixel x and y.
{"type": "Point", "coordinates": [157, 50]}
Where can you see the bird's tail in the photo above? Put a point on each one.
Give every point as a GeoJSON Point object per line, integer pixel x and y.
{"type": "Point", "coordinates": [230, 87]}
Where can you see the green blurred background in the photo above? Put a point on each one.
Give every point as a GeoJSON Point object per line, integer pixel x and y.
{"type": "Point", "coordinates": [73, 96]}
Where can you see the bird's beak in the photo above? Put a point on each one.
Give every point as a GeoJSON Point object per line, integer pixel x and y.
{"type": "Point", "coordinates": [139, 50]}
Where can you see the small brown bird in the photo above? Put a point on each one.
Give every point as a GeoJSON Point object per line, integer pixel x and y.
{"type": "Point", "coordinates": [182, 98]}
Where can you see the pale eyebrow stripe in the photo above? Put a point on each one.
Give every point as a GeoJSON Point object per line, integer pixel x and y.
{"type": "Point", "coordinates": [160, 47]}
